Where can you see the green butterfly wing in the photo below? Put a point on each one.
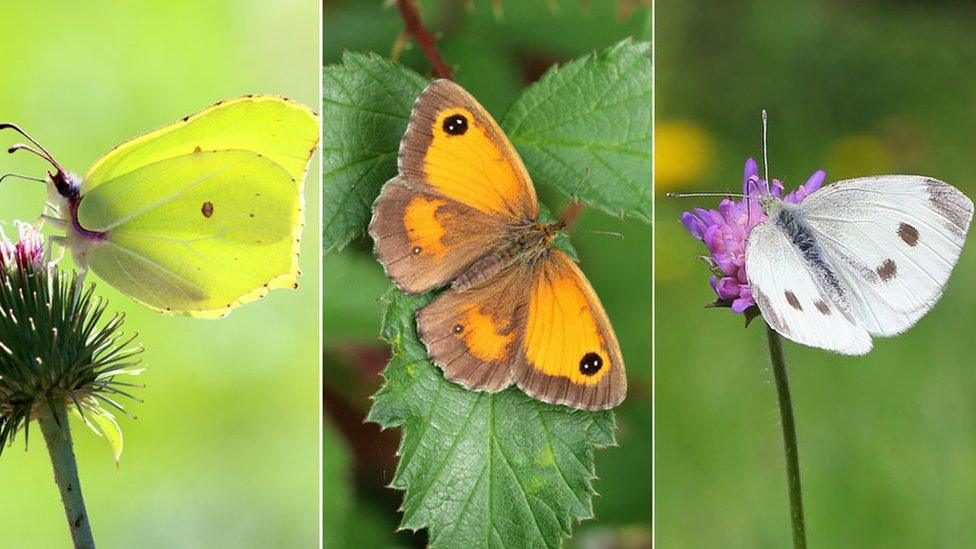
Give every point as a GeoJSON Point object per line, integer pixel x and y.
{"type": "Point", "coordinates": [204, 215]}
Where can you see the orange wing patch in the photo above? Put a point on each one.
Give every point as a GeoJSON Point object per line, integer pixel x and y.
{"type": "Point", "coordinates": [455, 149]}
{"type": "Point", "coordinates": [425, 241]}
{"type": "Point", "coordinates": [473, 335]}
{"type": "Point", "coordinates": [464, 163]}
{"type": "Point", "coordinates": [562, 338]}
{"type": "Point", "coordinates": [424, 230]}
{"type": "Point", "coordinates": [569, 352]}
{"type": "Point", "coordinates": [484, 338]}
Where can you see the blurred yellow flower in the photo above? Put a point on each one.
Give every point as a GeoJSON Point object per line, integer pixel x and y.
{"type": "Point", "coordinates": [859, 155]}
{"type": "Point", "coordinates": [682, 152]}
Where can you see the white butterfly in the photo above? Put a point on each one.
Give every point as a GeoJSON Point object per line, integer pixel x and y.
{"type": "Point", "coordinates": [858, 258]}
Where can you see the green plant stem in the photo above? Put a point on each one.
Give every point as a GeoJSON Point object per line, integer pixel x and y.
{"type": "Point", "coordinates": [789, 437]}
{"type": "Point", "coordinates": [57, 435]}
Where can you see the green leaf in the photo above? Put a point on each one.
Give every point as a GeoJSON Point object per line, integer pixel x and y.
{"type": "Point", "coordinates": [366, 104]}
{"type": "Point", "coordinates": [585, 128]}
{"type": "Point", "coordinates": [479, 469]}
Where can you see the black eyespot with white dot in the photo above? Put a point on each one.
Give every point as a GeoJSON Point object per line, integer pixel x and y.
{"type": "Point", "coordinates": [455, 124]}
{"type": "Point", "coordinates": [458, 328]}
{"type": "Point", "coordinates": [590, 364]}
{"type": "Point", "coordinates": [416, 250]}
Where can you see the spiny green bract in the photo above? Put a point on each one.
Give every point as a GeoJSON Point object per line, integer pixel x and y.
{"type": "Point", "coordinates": [55, 351]}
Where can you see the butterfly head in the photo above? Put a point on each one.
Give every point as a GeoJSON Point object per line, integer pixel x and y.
{"type": "Point", "coordinates": [61, 183]}
{"type": "Point", "coordinates": [770, 204]}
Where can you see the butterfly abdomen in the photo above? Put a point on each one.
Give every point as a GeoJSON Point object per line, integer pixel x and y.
{"type": "Point", "coordinates": [527, 244]}
{"type": "Point", "coordinates": [790, 221]}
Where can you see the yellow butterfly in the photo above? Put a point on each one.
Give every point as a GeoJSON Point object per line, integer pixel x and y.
{"type": "Point", "coordinates": [463, 211]}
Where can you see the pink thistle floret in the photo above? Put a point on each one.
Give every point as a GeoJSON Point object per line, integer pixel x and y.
{"type": "Point", "coordinates": [726, 230]}
{"type": "Point", "coordinates": [29, 249]}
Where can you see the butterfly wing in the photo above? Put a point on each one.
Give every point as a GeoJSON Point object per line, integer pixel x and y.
{"type": "Point", "coordinates": [284, 131]}
{"type": "Point", "coordinates": [474, 335]}
{"type": "Point", "coordinates": [569, 354]}
{"type": "Point", "coordinates": [426, 240]}
{"type": "Point", "coordinates": [205, 214]}
{"type": "Point", "coordinates": [453, 148]}
{"type": "Point", "coordinates": [197, 234]}
{"type": "Point", "coordinates": [461, 186]}
{"type": "Point", "coordinates": [894, 239]}
{"type": "Point", "coordinates": [790, 298]}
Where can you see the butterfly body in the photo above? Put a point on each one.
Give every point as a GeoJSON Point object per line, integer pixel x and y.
{"type": "Point", "coordinates": [64, 192]}
{"type": "Point", "coordinates": [859, 258]}
{"type": "Point", "coordinates": [462, 214]}
{"type": "Point", "coordinates": [527, 244]}
{"type": "Point", "coordinates": [790, 219]}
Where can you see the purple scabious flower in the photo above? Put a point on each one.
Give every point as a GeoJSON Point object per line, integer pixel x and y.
{"type": "Point", "coordinates": [725, 231]}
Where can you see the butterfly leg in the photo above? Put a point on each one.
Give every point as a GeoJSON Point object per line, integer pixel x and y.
{"type": "Point", "coordinates": [57, 222]}
{"type": "Point", "coordinates": [60, 241]}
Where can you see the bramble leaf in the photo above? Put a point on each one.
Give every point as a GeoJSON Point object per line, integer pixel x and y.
{"type": "Point", "coordinates": [480, 469]}
{"type": "Point", "coordinates": [585, 128]}
{"type": "Point", "coordinates": [366, 104]}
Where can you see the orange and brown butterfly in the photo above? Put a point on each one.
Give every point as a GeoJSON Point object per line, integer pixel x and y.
{"type": "Point", "coordinates": [463, 211]}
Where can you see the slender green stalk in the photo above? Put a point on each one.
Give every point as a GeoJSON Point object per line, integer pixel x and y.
{"type": "Point", "coordinates": [57, 435]}
{"type": "Point", "coordinates": [789, 437]}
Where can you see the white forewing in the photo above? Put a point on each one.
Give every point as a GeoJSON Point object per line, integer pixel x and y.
{"type": "Point", "coordinates": [893, 241]}
{"type": "Point", "coordinates": [790, 298]}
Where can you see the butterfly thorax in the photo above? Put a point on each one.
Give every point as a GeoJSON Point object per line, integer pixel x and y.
{"type": "Point", "coordinates": [790, 219]}
{"type": "Point", "coordinates": [64, 191]}
{"type": "Point", "coordinates": [525, 244]}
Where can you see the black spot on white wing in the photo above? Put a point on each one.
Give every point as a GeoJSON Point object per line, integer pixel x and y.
{"type": "Point", "coordinates": [792, 300]}
{"type": "Point", "coordinates": [822, 307]}
{"type": "Point", "coordinates": [769, 312]}
{"type": "Point", "coordinates": [952, 204]}
{"type": "Point", "coordinates": [887, 270]}
{"type": "Point", "coordinates": [908, 234]}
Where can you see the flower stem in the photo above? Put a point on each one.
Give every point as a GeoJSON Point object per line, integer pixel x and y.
{"type": "Point", "coordinates": [789, 437]}
{"type": "Point", "coordinates": [57, 435]}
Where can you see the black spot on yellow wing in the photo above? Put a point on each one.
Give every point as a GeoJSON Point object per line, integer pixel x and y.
{"type": "Point", "coordinates": [590, 364]}
{"type": "Point", "coordinates": [455, 124]}
{"type": "Point", "coordinates": [207, 209]}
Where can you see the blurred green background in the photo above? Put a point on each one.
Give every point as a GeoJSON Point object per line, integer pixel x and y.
{"type": "Point", "coordinates": [225, 449]}
{"type": "Point", "coordinates": [887, 441]}
{"type": "Point", "coordinates": [495, 54]}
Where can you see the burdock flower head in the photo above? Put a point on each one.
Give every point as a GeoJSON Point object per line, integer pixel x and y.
{"type": "Point", "coordinates": [725, 231]}
{"type": "Point", "coordinates": [57, 352]}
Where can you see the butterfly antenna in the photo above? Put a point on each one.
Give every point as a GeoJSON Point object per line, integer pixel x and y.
{"type": "Point", "coordinates": [607, 233]}
{"type": "Point", "coordinates": [21, 176]}
{"type": "Point", "coordinates": [765, 123]}
{"type": "Point", "coordinates": [695, 195]}
{"type": "Point", "coordinates": [39, 150]}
